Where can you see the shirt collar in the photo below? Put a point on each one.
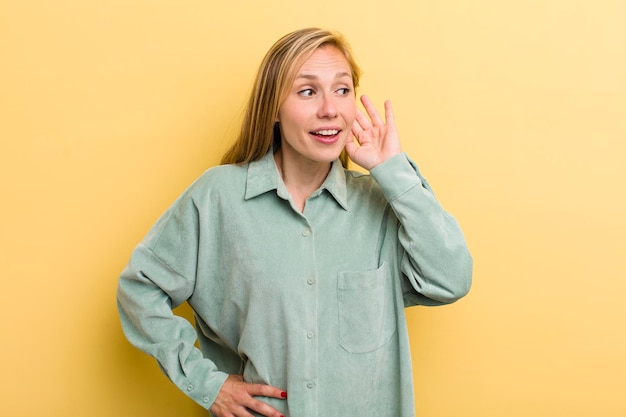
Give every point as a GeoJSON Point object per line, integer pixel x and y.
{"type": "Point", "coordinates": [263, 176]}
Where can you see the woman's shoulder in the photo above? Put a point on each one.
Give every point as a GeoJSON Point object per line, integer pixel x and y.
{"type": "Point", "coordinates": [219, 178]}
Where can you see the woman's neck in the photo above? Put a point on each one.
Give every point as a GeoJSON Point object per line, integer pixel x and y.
{"type": "Point", "coordinates": [301, 178]}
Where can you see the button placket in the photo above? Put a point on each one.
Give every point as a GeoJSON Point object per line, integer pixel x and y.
{"type": "Point", "coordinates": [310, 358]}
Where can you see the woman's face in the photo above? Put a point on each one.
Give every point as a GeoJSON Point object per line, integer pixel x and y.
{"type": "Point", "coordinates": [317, 116]}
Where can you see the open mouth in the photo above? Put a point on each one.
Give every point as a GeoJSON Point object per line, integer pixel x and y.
{"type": "Point", "coordinates": [326, 135]}
{"type": "Point", "coordinates": [326, 132]}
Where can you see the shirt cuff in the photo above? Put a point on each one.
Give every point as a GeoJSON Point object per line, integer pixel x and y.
{"type": "Point", "coordinates": [204, 390]}
{"type": "Point", "coordinates": [396, 176]}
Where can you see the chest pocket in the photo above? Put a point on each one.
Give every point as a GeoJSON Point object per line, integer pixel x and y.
{"type": "Point", "coordinates": [367, 312]}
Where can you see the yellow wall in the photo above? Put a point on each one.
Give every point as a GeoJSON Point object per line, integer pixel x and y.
{"type": "Point", "coordinates": [515, 110]}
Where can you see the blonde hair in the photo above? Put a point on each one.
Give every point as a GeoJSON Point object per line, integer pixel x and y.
{"type": "Point", "coordinates": [276, 74]}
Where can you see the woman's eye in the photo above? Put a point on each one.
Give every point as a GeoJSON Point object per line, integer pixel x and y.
{"type": "Point", "coordinates": [306, 93]}
{"type": "Point", "coordinates": [344, 91]}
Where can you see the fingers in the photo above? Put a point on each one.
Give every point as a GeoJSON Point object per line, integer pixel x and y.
{"type": "Point", "coordinates": [371, 111]}
{"type": "Point", "coordinates": [372, 119]}
{"type": "Point", "coordinates": [262, 408]}
{"type": "Point", "coordinates": [236, 399]}
{"type": "Point", "coordinates": [389, 117]}
{"type": "Point", "coordinates": [261, 390]}
{"type": "Point", "coordinates": [351, 147]}
{"type": "Point", "coordinates": [374, 140]}
{"type": "Point", "coordinates": [361, 122]}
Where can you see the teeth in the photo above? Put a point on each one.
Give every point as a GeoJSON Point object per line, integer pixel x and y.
{"type": "Point", "coordinates": [327, 132]}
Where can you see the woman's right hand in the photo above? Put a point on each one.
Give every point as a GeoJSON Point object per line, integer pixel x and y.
{"type": "Point", "coordinates": [236, 398]}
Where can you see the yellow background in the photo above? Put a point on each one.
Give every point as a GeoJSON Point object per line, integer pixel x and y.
{"type": "Point", "coordinates": [515, 111]}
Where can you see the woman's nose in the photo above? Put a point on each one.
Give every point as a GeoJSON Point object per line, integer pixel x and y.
{"type": "Point", "coordinates": [328, 108]}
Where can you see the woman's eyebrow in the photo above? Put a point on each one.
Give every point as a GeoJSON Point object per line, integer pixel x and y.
{"type": "Point", "coordinates": [314, 77]}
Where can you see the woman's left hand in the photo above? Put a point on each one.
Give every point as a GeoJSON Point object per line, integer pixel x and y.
{"type": "Point", "coordinates": [375, 140]}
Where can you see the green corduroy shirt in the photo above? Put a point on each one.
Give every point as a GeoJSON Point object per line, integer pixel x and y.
{"type": "Point", "coordinates": [312, 302]}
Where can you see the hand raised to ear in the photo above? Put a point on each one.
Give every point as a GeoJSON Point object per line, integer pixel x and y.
{"type": "Point", "coordinates": [375, 140]}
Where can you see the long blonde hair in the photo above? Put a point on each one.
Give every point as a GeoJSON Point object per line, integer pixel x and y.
{"type": "Point", "coordinates": [276, 74]}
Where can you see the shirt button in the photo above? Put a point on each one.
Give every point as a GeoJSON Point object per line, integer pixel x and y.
{"type": "Point", "coordinates": [190, 387]}
{"type": "Point", "coordinates": [309, 385]}
{"type": "Point", "coordinates": [310, 335]}
{"type": "Point", "coordinates": [306, 233]}
{"type": "Point", "coordinates": [205, 400]}
{"type": "Point", "coordinates": [310, 281]}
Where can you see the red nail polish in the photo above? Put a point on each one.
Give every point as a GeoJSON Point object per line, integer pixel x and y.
{"type": "Point", "coordinates": [283, 395]}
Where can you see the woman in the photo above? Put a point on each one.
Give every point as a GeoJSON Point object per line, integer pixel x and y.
{"type": "Point", "coordinates": [297, 269]}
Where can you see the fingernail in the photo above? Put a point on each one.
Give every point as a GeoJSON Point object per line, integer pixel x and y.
{"type": "Point", "coordinates": [283, 395]}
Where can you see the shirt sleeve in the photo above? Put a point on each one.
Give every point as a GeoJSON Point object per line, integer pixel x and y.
{"type": "Point", "coordinates": [157, 279]}
{"type": "Point", "coordinates": [435, 259]}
